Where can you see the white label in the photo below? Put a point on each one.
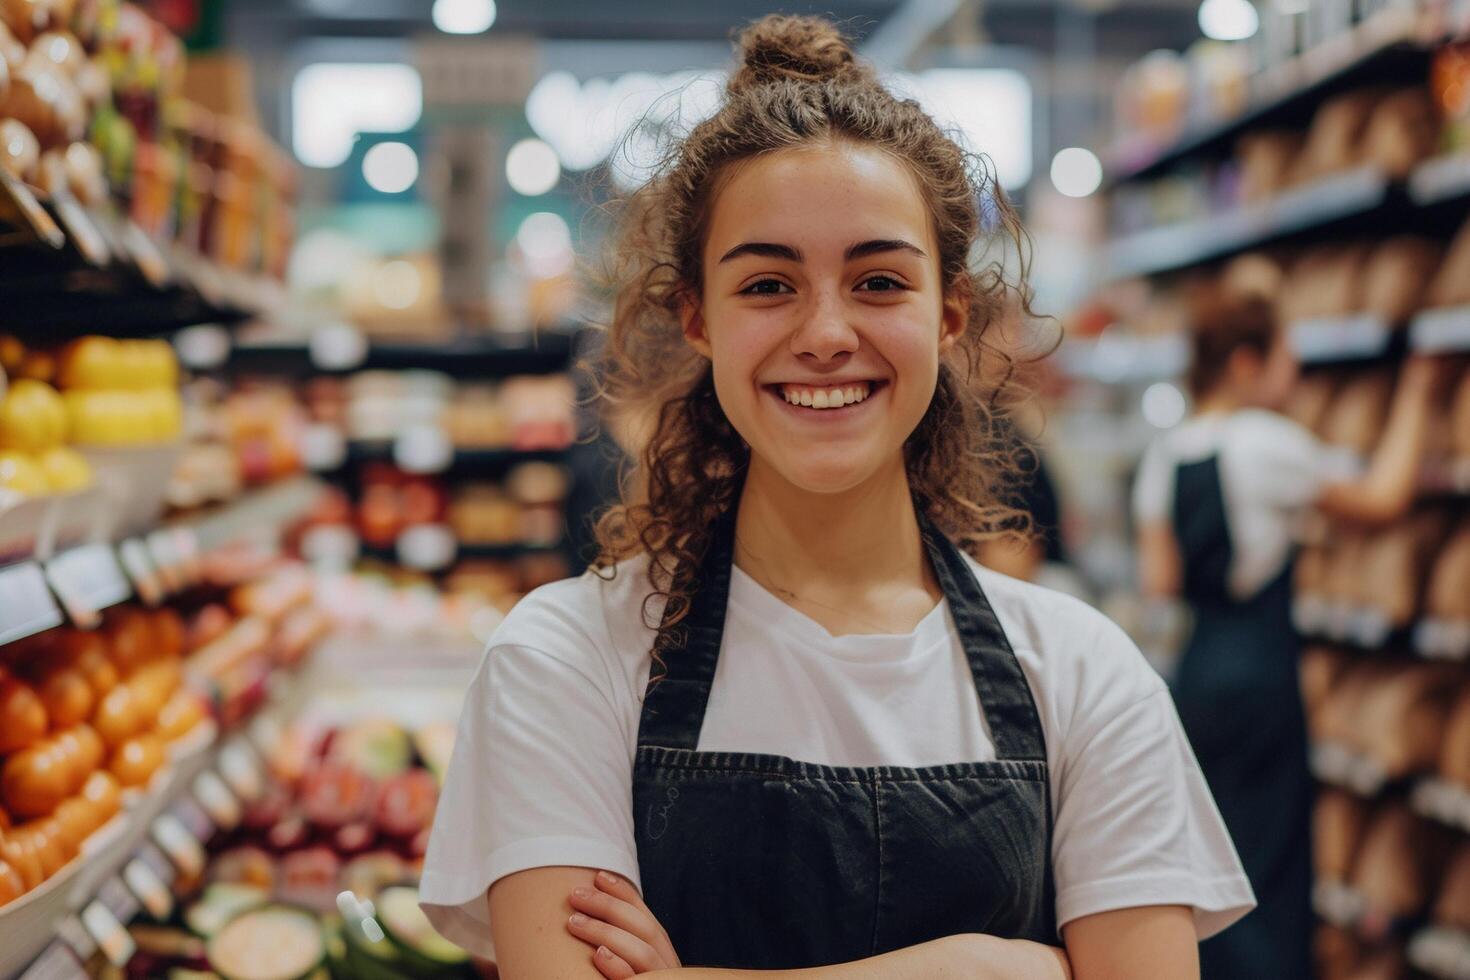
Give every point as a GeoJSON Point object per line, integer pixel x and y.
{"type": "Point", "coordinates": [1441, 331]}
{"type": "Point", "coordinates": [133, 554]}
{"type": "Point", "coordinates": [337, 347]}
{"type": "Point", "coordinates": [203, 347]}
{"type": "Point", "coordinates": [322, 447]}
{"type": "Point", "coordinates": [241, 770]}
{"type": "Point", "coordinates": [26, 606]}
{"type": "Point", "coordinates": [87, 580]}
{"type": "Point", "coordinates": [1330, 338]}
{"type": "Point", "coordinates": [330, 544]}
{"type": "Point", "coordinates": [182, 847]}
{"type": "Point", "coordinates": [112, 939]}
{"type": "Point", "coordinates": [426, 547]}
{"type": "Point", "coordinates": [149, 888]}
{"type": "Point", "coordinates": [217, 800]}
{"type": "Point", "coordinates": [423, 448]}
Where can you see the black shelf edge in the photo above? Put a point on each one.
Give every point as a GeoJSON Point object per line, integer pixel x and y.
{"type": "Point", "coordinates": [65, 272]}
{"type": "Point", "coordinates": [1374, 50]}
{"type": "Point", "coordinates": [545, 351]}
{"type": "Point", "coordinates": [464, 461]}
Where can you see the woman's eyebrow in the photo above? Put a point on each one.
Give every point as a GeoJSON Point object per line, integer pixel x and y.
{"type": "Point", "coordinates": [769, 250]}
{"type": "Point", "coordinates": [877, 245]}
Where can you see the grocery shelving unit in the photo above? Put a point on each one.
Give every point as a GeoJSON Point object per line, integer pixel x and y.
{"type": "Point", "coordinates": [338, 350]}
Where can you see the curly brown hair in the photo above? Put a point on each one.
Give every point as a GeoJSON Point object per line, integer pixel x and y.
{"type": "Point", "coordinates": [798, 83]}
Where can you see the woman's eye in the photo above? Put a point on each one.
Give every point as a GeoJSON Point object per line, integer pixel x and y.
{"type": "Point", "coordinates": [766, 287]}
{"type": "Point", "coordinates": [881, 284]}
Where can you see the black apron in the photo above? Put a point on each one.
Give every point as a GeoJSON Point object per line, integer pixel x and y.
{"type": "Point", "coordinates": [1238, 696]}
{"type": "Point", "coordinates": [760, 862]}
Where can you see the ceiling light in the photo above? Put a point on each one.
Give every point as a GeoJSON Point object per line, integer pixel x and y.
{"type": "Point", "coordinates": [390, 168]}
{"type": "Point", "coordinates": [1228, 20]}
{"type": "Point", "coordinates": [545, 242]}
{"type": "Point", "coordinates": [464, 16]}
{"type": "Point", "coordinates": [332, 102]}
{"type": "Point", "coordinates": [1076, 172]}
{"type": "Point", "coordinates": [1163, 405]}
{"type": "Point", "coordinates": [532, 168]}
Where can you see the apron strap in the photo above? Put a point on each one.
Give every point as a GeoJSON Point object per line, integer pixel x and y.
{"type": "Point", "coordinates": [674, 703]}
{"type": "Point", "coordinates": [1005, 696]}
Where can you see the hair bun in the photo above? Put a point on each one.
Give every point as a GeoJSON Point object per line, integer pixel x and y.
{"type": "Point", "coordinates": [777, 47]}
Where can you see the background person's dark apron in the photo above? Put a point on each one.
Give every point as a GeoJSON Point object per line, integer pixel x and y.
{"type": "Point", "coordinates": [1238, 695]}
{"type": "Point", "coordinates": [761, 862]}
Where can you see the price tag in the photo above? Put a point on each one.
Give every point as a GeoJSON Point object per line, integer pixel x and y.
{"type": "Point", "coordinates": [166, 560]}
{"type": "Point", "coordinates": [150, 890]}
{"type": "Point", "coordinates": [182, 847]}
{"type": "Point", "coordinates": [119, 899]}
{"type": "Point", "coordinates": [133, 554]}
{"type": "Point", "coordinates": [322, 447]}
{"type": "Point", "coordinates": [156, 860]}
{"type": "Point", "coordinates": [217, 800]}
{"type": "Point", "coordinates": [241, 770]}
{"type": "Point", "coordinates": [80, 229]}
{"type": "Point", "coordinates": [337, 347]}
{"type": "Point", "coordinates": [26, 606]}
{"type": "Point", "coordinates": [427, 547]}
{"type": "Point", "coordinates": [25, 209]}
{"type": "Point", "coordinates": [1441, 331]}
{"type": "Point", "coordinates": [57, 962]}
{"type": "Point", "coordinates": [423, 448]}
{"type": "Point", "coordinates": [194, 818]}
{"type": "Point", "coordinates": [203, 347]}
{"type": "Point", "coordinates": [146, 256]}
{"type": "Point", "coordinates": [87, 580]}
{"type": "Point", "coordinates": [111, 938]}
{"type": "Point", "coordinates": [186, 546]}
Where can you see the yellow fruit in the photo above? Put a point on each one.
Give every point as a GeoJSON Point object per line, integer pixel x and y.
{"type": "Point", "coordinates": [94, 420]}
{"type": "Point", "coordinates": [163, 365]}
{"type": "Point", "coordinates": [21, 473]}
{"type": "Point", "coordinates": [38, 364]}
{"type": "Point", "coordinates": [32, 417]}
{"type": "Point", "coordinates": [92, 362]}
{"type": "Point", "coordinates": [165, 412]}
{"type": "Point", "coordinates": [65, 469]}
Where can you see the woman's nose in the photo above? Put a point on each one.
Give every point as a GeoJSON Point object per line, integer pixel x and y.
{"type": "Point", "coordinates": [824, 331]}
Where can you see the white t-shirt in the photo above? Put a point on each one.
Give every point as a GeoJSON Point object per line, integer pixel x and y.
{"type": "Point", "coordinates": [1271, 469]}
{"type": "Point", "coordinates": [543, 765]}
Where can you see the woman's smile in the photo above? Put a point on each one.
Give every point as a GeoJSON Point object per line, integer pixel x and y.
{"type": "Point", "coordinates": [827, 402]}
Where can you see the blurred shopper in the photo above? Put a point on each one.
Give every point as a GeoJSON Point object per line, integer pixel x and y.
{"type": "Point", "coordinates": [788, 722]}
{"type": "Point", "coordinates": [1216, 502]}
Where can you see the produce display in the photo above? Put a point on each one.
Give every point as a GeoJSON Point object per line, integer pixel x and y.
{"type": "Point", "coordinates": [84, 718]}
{"type": "Point", "coordinates": [346, 809]}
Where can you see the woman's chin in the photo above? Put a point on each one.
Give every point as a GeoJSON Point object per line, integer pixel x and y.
{"type": "Point", "coordinates": [814, 474]}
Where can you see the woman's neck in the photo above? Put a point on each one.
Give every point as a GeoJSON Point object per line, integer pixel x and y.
{"type": "Point", "coordinates": [1219, 402]}
{"type": "Point", "coordinates": [853, 561]}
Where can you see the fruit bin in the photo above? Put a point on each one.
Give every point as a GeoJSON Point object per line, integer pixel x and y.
{"type": "Point", "coordinates": [29, 923]}
{"type": "Point", "coordinates": [134, 483]}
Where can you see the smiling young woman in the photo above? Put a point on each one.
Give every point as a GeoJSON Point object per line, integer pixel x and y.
{"type": "Point", "coordinates": [788, 722]}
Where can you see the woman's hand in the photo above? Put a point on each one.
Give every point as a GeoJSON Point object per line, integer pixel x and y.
{"type": "Point", "coordinates": [626, 939]}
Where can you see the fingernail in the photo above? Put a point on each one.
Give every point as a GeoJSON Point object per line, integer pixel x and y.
{"type": "Point", "coordinates": [604, 952]}
{"type": "Point", "coordinates": [578, 919]}
{"type": "Point", "coordinates": [606, 878]}
{"type": "Point", "coordinates": [581, 893]}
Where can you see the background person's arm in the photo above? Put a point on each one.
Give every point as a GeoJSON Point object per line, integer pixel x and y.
{"type": "Point", "coordinates": [1160, 575]}
{"type": "Point", "coordinates": [1387, 491]}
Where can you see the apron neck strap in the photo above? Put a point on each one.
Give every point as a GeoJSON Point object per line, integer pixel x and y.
{"type": "Point", "coordinates": [675, 702]}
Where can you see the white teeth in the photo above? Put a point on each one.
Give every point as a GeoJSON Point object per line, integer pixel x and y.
{"type": "Point", "coordinates": [821, 398]}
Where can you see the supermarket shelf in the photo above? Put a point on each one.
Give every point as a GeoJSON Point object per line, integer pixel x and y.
{"type": "Point", "coordinates": [1441, 331]}
{"type": "Point", "coordinates": [1341, 766]}
{"type": "Point", "coordinates": [434, 548]}
{"type": "Point", "coordinates": [340, 348]}
{"type": "Point", "coordinates": [36, 919]}
{"type": "Point", "coordinates": [40, 589]}
{"type": "Point", "coordinates": [1352, 197]}
{"type": "Point", "coordinates": [1344, 340]}
{"type": "Point", "coordinates": [74, 271]}
{"type": "Point", "coordinates": [1443, 801]}
{"type": "Point", "coordinates": [1114, 358]}
{"type": "Point", "coordinates": [1377, 51]}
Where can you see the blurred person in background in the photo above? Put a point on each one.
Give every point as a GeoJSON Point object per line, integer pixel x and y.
{"type": "Point", "coordinates": [1216, 502]}
{"type": "Point", "coordinates": [789, 721]}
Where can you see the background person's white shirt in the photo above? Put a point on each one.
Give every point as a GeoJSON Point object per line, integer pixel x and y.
{"type": "Point", "coordinates": [542, 769]}
{"type": "Point", "coordinates": [1271, 469]}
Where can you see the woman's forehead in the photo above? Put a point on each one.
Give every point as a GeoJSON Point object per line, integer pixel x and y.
{"type": "Point", "coordinates": [821, 200]}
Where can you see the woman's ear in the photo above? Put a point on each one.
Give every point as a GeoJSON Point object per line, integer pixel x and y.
{"type": "Point", "coordinates": [954, 318]}
{"type": "Point", "coordinates": [691, 320]}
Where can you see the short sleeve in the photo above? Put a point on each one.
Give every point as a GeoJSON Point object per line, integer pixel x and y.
{"type": "Point", "coordinates": [1286, 464]}
{"type": "Point", "coordinates": [541, 776]}
{"type": "Point", "coordinates": [1153, 491]}
{"type": "Point", "coordinates": [1136, 825]}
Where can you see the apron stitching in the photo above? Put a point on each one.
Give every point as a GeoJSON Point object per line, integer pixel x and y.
{"type": "Point", "coordinates": [878, 889]}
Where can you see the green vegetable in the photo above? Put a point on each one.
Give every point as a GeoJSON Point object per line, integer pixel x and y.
{"type": "Point", "coordinates": [424, 951]}
{"type": "Point", "coordinates": [274, 942]}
